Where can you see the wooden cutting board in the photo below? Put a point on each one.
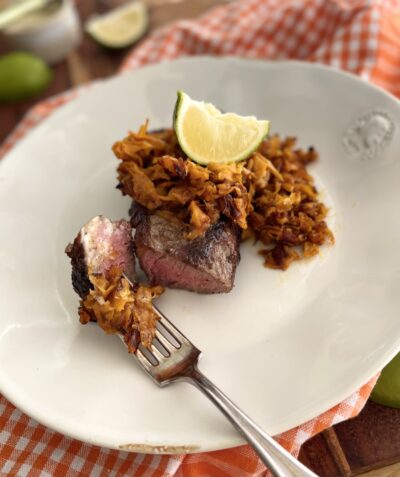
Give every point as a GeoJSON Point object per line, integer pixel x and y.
{"type": "Point", "coordinates": [369, 441]}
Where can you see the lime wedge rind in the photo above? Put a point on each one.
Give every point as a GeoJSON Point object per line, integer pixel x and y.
{"type": "Point", "coordinates": [206, 135]}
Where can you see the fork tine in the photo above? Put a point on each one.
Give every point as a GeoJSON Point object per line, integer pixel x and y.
{"type": "Point", "coordinates": [143, 360]}
{"type": "Point", "coordinates": [163, 340]}
{"type": "Point", "coordinates": [171, 328]}
{"type": "Point", "coordinates": [160, 346]}
{"type": "Point", "coordinates": [157, 353]}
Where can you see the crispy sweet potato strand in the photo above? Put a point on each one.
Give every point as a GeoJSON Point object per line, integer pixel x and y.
{"type": "Point", "coordinates": [119, 307]}
{"type": "Point", "coordinates": [158, 175]}
{"type": "Point", "coordinates": [270, 196]}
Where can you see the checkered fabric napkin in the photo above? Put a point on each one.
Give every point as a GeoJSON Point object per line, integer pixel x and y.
{"type": "Point", "coordinates": [361, 36]}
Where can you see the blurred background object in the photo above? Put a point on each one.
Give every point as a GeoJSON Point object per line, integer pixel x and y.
{"type": "Point", "coordinates": [50, 32]}
{"type": "Point", "coordinates": [387, 389]}
{"type": "Point", "coordinates": [22, 76]}
{"type": "Point", "coordinates": [121, 27]}
{"type": "Point", "coordinates": [13, 11]}
{"type": "Point", "coordinates": [79, 59]}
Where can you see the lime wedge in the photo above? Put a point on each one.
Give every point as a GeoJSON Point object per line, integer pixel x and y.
{"type": "Point", "coordinates": [387, 389]}
{"type": "Point", "coordinates": [206, 135]}
{"type": "Point", "coordinates": [22, 76]}
{"type": "Point", "coordinates": [120, 27]}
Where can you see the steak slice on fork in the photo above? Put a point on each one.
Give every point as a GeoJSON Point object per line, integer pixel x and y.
{"type": "Point", "coordinates": [100, 245]}
{"type": "Point", "coordinates": [103, 274]}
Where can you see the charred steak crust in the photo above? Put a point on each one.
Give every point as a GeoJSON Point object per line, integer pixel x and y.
{"type": "Point", "coordinates": [206, 264]}
{"type": "Point", "coordinates": [137, 214]}
{"type": "Point", "coordinates": [79, 275]}
{"type": "Point", "coordinates": [200, 251]}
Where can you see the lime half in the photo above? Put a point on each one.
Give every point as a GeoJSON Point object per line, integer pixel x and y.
{"type": "Point", "coordinates": [22, 76]}
{"type": "Point", "coordinates": [120, 27]}
{"type": "Point", "coordinates": [387, 389]}
{"type": "Point", "coordinates": [206, 135]}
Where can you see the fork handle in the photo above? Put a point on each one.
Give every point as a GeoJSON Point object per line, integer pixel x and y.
{"type": "Point", "coordinates": [280, 462]}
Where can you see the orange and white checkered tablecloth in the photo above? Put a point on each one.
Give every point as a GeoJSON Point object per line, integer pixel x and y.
{"type": "Point", "coordinates": [361, 36]}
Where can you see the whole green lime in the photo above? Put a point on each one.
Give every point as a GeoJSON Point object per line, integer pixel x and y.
{"type": "Point", "coordinates": [22, 76]}
{"type": "Point", "coordinates": [387, 389]}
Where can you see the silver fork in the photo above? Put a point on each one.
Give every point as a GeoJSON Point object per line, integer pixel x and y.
{"type": "Point", "coordinates": [172, 357]}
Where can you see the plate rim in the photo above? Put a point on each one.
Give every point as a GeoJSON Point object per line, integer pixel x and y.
{"type": "Point", "coordinates": [146, 447]}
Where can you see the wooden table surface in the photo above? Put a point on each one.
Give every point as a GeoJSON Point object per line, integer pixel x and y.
{"type": "Point", "coordinates": [370, 441]}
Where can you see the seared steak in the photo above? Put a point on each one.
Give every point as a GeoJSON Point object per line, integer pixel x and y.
{"type": "Point", "coordinates": [99, 246]}
{"type": "Point", "coordinates": [206, 264]}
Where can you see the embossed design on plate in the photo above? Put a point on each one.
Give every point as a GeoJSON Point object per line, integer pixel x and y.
{"type": "Point", "coordinates": [369, 135]}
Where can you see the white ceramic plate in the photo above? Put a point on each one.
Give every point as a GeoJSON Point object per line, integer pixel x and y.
{"type": "Point", "coordinates": [285, 346]}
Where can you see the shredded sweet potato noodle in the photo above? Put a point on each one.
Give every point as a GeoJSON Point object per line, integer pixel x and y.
{"type": "Point", "coordinates": [270, 196]}
{"type": "Point", "coordinates": [119, 307]}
